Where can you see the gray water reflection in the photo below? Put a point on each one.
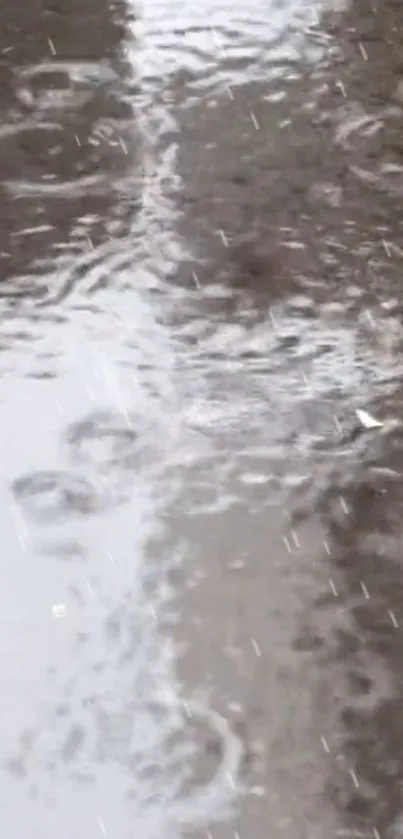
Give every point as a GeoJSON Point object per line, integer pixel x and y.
{"type": "Point", "coordinates": [296, 208]}
{"type": "Point", "coordinates": [96, 737]}
{"type": "Point", "coordinates": [200, 262]}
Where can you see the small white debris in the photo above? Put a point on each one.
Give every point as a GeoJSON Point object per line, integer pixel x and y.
{"type": "Point", "coordinates": [223, 238]}
{"type": "Point", "coordinates": [341, 87]}
{"type": "Point", "coordinates": [364, 590]}
{"type": "Point", "coordinates": [324, 744]}
{"type": "Point", "coordinates": [235, 707]}
{"type": "Point", "coordinates": [316, 20]}
{"type": "Point", "coordinates": [187, 709]}
{"type": "Point", "coordinates": [26, 98]}
{"type": "Point", "coordinates": [370, 318]}
{"type": "Point", "coordinates": [230, 780]}
{"type": "Point", "coordinates": [237, 564]}
{"type": "Point", "coordinates": [256, 648]}
{"type": "Point", "coordinates": [123, 145]}
{"type": "Point", "coordinates": [21, 541]}
{"type": "Point", "coordinates": [333, 588]}
{"type": "Point", "coordinates": [287, 544]}
{"type": "Point", "coordinates": [343, 505]}
{"type": "Point", "coordinates": [259, 792]}
{"type": "Point", "coordinates": [254, 120]}
{"type": "Point", "coordinates": [367, 420]}
{"type": "Point", "coordinates": [326, 547]}
{"type": "Point", "coordinates": [51, 46]}
{"type": "Point", "coordinates": [196, 280]}
{"type": "Point", "coordinates": [101, 826]}
{"type": "Point", "coordinates": [59, 610]}
{"type": "Point", "coordinates": [354, 778]}
{"type": "Point", "coordinates": [254, 479]}
{"type": "Point", "coordinates": [273, 320]}
{"type": "Point", "coordinates": [386, 248]}
{"type": "Point", "coordinates": [230, 94]}
{"type": "Point", "coordinates": [393, 619]}
{"type": "Point", "coordinates": [337, 424]}
{"type": "Point", "coordinates": [296, 541]}
{"type": "Point", "coordinates": [363, 51]}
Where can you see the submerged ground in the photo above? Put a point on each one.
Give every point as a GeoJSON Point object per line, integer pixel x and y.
{"type": "Point", "coordinates": [201, 283]}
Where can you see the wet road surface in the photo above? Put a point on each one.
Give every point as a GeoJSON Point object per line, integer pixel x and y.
{"type": "Point", "coordinates": [200, 260]}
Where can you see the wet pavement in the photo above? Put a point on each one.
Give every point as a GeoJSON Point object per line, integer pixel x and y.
{"type": "Point", "coordinates": [201, 267]}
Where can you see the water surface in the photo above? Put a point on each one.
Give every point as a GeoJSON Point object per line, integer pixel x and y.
{"type": "Point", "coordinates": [200, 266]}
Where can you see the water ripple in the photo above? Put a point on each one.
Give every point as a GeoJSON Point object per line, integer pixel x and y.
{"type": "Point", "coordinates": [196, 298]}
